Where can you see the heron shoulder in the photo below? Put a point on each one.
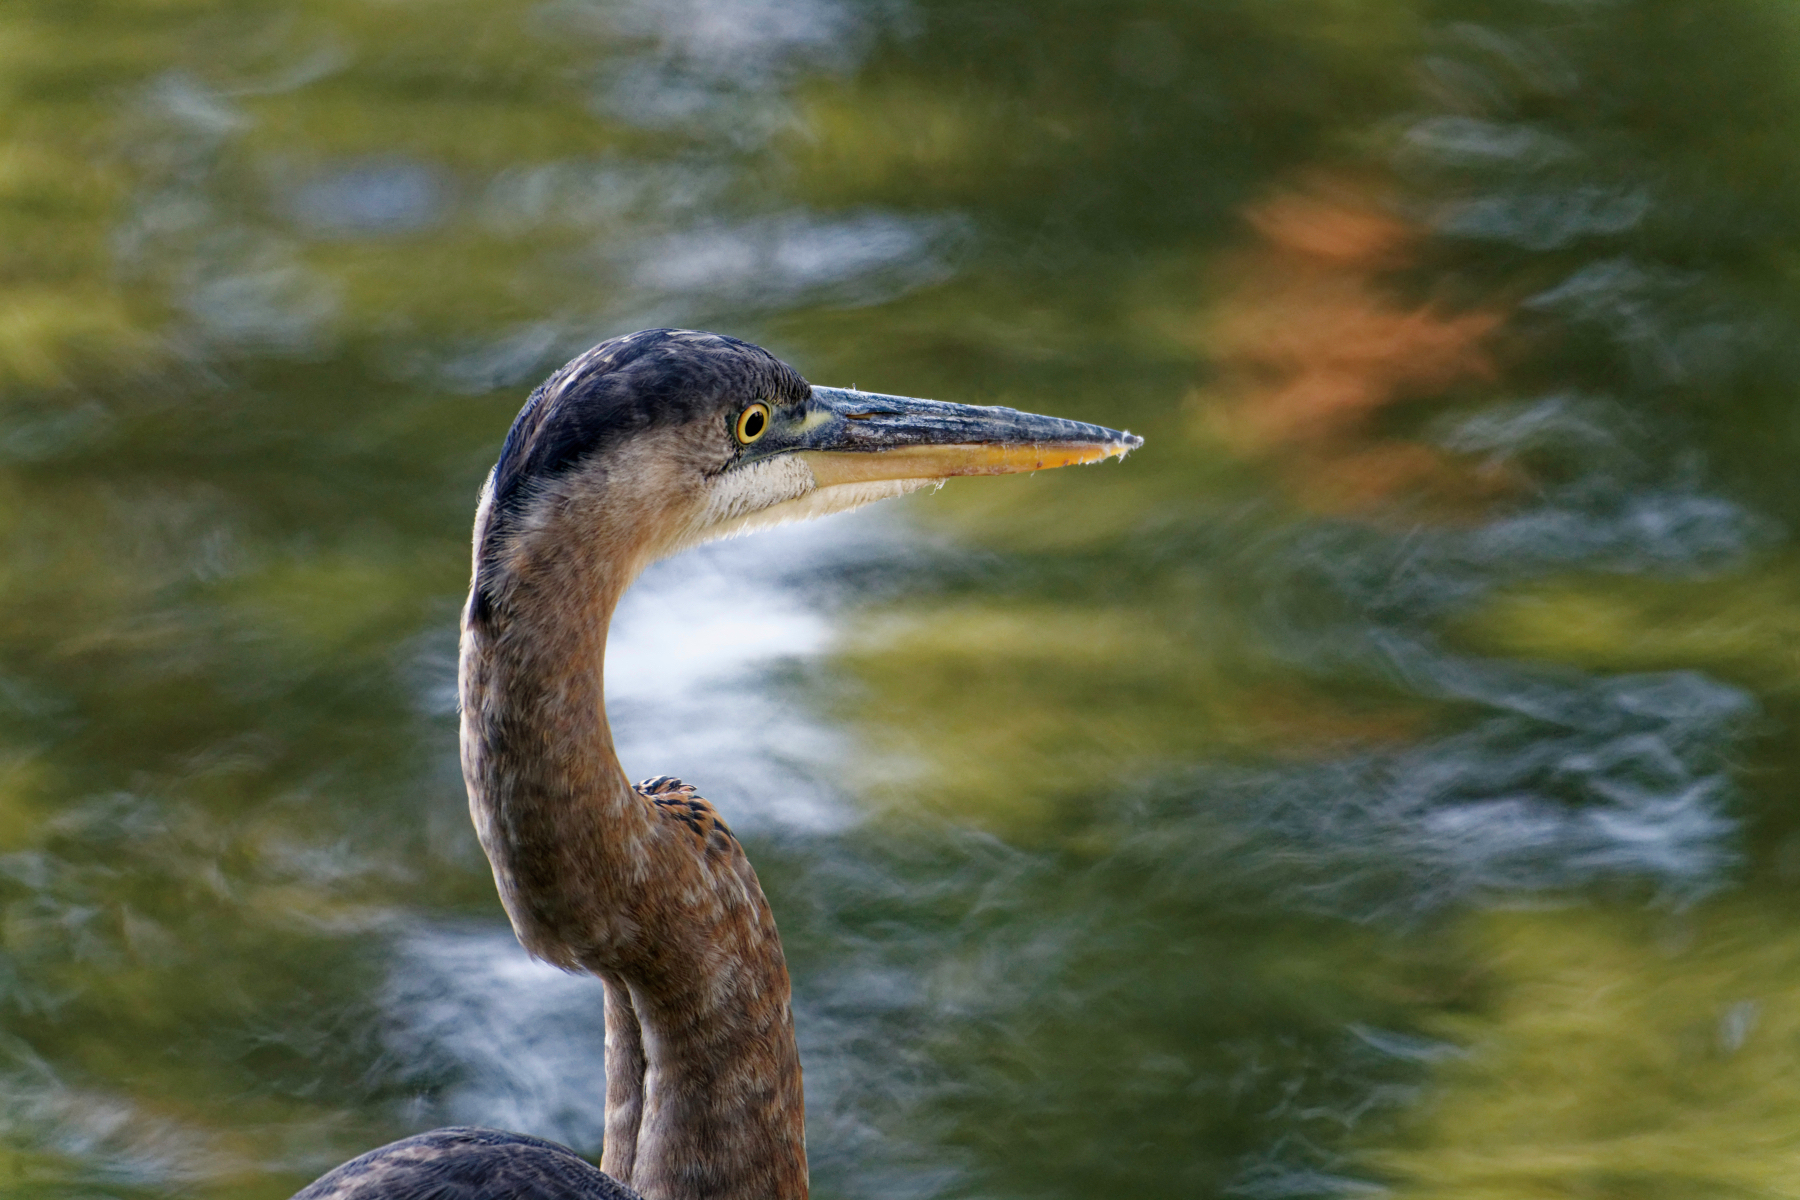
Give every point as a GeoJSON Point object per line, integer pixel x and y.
{"type": "Point", "coordinates": [680, 802]}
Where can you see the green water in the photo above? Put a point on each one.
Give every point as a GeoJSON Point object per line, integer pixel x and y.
{"type": "Point", "coordinates": [1381, 780]}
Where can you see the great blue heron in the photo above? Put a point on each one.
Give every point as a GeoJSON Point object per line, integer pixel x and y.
{"type": "Point", "coordinates": [642, 446]}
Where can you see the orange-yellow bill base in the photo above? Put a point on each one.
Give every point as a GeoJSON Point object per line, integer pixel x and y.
{"type": "Point", "coordinates": [833, 467]}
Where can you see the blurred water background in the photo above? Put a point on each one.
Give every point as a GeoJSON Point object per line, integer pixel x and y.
{"type": "Point", "coordinates": [1382, 781]}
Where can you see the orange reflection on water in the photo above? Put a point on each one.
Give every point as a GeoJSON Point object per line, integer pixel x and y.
{"type": "Point", "coordinates": [1321, 359]}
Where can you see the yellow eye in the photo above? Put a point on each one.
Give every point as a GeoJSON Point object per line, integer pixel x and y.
{"type": "Point", "coordinates": [752, 423]}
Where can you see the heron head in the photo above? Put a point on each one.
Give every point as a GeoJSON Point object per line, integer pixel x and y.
{"type": "Point", "coordinates": [668, 437]}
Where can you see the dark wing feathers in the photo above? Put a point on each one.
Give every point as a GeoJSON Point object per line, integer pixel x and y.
{"type": "Point", "coordinates": [463, 1163]}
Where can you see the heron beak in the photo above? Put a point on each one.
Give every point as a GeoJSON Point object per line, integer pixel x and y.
{"type": "Point", "coordinates": [846, 436]}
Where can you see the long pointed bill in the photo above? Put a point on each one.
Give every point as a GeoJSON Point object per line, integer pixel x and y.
{"type": "Point", "coordinates": [856, 437]}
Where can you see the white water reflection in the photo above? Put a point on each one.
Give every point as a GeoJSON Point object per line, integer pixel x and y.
{"type": "Point", "coordinates": [246, 290]}
{"type": "Point", "coordinates": [1546, 220]}
{"type": "Point", "coordinates": [859, 259]}
{"type": "Point", "coordinates": [383, 196]}
{"type": "Point", "coordinates": [495, 1038]}
{"type": "Point", "coordinates": [1509, 810]}
{"type": "Point", "coordinates": [1473, 142]}
{"type": "Point", "coordinates": [522, 1042]}
{"type": "Point", "coordinates": [592, 196]}
{"type": "Point", "coordinates": [717, 65]}
{"type": "Point", "coordinates": [693, 652]}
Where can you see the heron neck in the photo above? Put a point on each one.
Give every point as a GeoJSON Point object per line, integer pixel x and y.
{"type": "Point", "coordinates": [654, 895]}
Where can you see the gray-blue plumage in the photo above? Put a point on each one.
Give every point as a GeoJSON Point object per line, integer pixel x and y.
{"type": "Point", "coordinates": [462, 1163]}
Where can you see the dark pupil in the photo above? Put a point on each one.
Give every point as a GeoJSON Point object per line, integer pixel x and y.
{"type": "Point", "coordinates": [753, 424]}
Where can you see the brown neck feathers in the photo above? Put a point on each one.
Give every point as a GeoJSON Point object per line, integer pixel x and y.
{"type": "Point", "coordinates": [646, 889]}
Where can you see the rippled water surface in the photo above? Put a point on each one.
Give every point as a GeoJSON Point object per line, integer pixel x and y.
{"type": "Point", "coordinates": [1382, 781]}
